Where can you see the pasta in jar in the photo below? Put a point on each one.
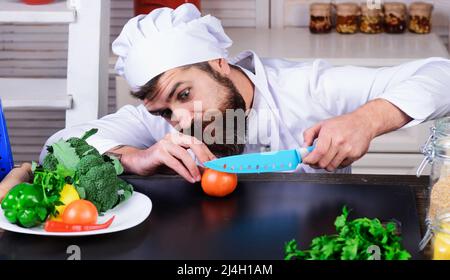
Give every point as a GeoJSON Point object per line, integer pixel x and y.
{"type": "Point", "coordinates": [394, 17]}
{"type": "Point", "coordinates": [371, 19]}
{"type": "Point", "coordinates": [347, 18]}
{"type": "Point", "coordinates": [420, 17]}
{"type": "Point", "coordinates": [320, 18]}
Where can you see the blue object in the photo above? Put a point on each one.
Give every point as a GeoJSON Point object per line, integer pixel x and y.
{"type": "Point", "coordinates": [6, 158]}
{"type": "Point", "coordinates": [260, 162]}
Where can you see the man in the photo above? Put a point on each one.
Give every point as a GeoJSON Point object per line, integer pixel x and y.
{"type": "Point", "coordinates": [176, 62]}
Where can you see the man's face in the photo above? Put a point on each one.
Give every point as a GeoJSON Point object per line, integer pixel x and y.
{"type": "Point", "coordinates": [198, 101]}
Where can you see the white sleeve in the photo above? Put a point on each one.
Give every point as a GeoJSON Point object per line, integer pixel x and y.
{"type": "Point", "coordinates": [131, 126]}
{"type": "Point", "coordinates": [419, 88]}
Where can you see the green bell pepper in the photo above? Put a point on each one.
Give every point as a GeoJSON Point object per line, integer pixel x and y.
{"type": "Point", "coordinates": [24, 205]}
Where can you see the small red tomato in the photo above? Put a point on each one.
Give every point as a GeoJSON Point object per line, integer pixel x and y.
{"type": "Point", "coordinates": [80, 212]}
{"type": "Point", "coordinates": [220, 184]}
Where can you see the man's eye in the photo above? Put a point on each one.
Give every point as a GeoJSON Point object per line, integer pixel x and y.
{"type": "Point", "coordinates": [167, 113]}
{"type": "Point", "coordinates": [184, 94]}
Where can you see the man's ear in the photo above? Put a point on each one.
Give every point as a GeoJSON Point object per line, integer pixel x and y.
{"type": "Point", "coordinates": [220, 65]}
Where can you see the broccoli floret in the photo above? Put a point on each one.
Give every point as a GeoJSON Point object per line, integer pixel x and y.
{"type": "Point", "coordinates": [50, 162]}
{"type": "Point", "coordinates": [101, 186]}
{"type": "Point", "coordinates": [125, 190]}
{"type": "Point", "coordinates": [82, 148]}
{"type": "Point", "coordinates": [88, 162]}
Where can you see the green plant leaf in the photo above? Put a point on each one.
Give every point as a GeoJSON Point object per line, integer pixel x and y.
{"type": "Point", "coordinates": [64, 172]}
{"type": "Point", "coordinates": [34, 165]}
{"type": "Point", "coordinates": [342, 219]}
{"type": "Point", "coordinates": [42, 213]}
{"type": "Point", "coordinates": [89, 133]}
{"type": "Point", "coordinates": [117, 165]}
{"type": "Point", "coordinates": [66, 155]}
{"type": "Point", "coordinates": [81, 192]}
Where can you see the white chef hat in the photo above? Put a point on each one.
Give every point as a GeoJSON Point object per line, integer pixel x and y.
{"type": "Point", "coordinates": [165, 39]}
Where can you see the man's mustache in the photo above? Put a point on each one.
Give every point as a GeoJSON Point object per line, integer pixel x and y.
{"type": "Point", "coordinates": [220, 140]}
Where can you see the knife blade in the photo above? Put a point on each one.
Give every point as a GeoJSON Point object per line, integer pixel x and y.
{"type": "Point", "coordinates": [278, 161]}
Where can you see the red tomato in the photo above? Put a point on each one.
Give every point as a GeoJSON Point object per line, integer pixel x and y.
{"type": "Point", "coordinates": [80, 212]}
{"type": "Point", "coordinates": [215, 183]}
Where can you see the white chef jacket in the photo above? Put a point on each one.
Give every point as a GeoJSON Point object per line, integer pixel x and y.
{"type": "Point", "coordinates": [293, 96]}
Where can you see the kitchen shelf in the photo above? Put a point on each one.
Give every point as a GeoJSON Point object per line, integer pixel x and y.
{"type": "Point", "coordinates": [376, 50]}
{"type": "Point", "coordinates": [14, 11]}
{"type": "Point", "coordinates": [83, 95]}
{"type": "Point", "coordinates": [35, 93]}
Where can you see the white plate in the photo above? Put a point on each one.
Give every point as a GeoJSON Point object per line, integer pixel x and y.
{"type": "Point", "coordinates": [128, 214]}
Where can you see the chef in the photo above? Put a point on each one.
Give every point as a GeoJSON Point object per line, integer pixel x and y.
{"type": "Point", "coordinates": [176, 62]}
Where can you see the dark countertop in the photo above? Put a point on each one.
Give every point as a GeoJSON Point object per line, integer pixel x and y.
{"type": "Point", "coordinates": [265, 211]}
{"type": "Point", "coordinates": [418, 185]}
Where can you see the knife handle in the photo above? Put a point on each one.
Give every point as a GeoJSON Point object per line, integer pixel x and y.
{"type": "Point", "coordinates": [303, 152]}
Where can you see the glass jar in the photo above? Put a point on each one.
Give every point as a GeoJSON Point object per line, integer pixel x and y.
{"type": "Point", "coordinates": [441, 236]}
{"type": "Point", "coordinates": [437, 153]}
{"type": "Point", "coordinates": [320, 18]}
{"type": "Point", "coordinates": [395, 17]}
{"type": "Point", "coordinates": [440, 129]}
{"type": "Point", "coordinates": [347, 18]}
{"type": "Point", "coordinates": [420, 17]}
{"type": "Point", "coordinates": [439, 198]}
{"type": "Point", "coordinates": [372, 19]}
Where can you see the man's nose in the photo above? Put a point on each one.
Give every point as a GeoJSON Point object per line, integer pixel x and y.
{"type": "Point", "coordinates": [182, 117]}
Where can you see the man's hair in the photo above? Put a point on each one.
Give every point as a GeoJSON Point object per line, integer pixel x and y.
{"type": "Point", "coordinates": [148, 91]}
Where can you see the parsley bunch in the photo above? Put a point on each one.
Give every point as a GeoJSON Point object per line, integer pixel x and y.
{"type": "Point", "coordinates": [352, 241]}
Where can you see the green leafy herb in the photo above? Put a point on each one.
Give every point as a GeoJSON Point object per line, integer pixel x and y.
{"type": "Point", "coordinates": [117, 165]}
{"type": "Point", "coordinates": [65, 155]}
{"type": "Point", "coordinates": [352, 241]}
{"type": "Point", "coordinates": [89, 133]}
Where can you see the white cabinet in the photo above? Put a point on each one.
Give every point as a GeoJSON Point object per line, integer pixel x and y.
{"type": "Point", "coordinates": [83, 94]}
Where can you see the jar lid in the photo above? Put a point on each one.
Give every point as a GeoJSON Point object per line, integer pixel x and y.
{"type": "Point", "coordinates": [395, 7]}
{"type": "Point", "coordinates": [347, 9]}
{"type": "Point", "coordinates": [320, 9]}
{"type": "Point", "coordinates": [421, 8]}
{"type": "Point", "coordinates": [369, 11]}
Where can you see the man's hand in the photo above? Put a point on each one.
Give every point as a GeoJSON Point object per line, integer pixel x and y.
{"type": "Point", "coordinates": [171, 151]}
{"type": "Point", "coordinates": [16, 176]}
{"type": "Point", "coordinates": [344, 139]}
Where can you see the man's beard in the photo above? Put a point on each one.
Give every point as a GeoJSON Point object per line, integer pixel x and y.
{"type": "Point", "coordinates": [228, 135]}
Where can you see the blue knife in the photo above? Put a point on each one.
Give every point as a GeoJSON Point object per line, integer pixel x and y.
{"type": "Point", "coordinates": [260, 162]}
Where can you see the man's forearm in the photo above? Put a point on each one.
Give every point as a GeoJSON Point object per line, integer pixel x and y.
{"type": "Point", "coordinates": [382, 116]}
{"type": "Point", "coordinates": [344, 139]}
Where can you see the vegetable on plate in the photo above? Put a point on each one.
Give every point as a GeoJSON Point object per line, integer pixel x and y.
{"type": "Point", "coordinates": [81, 212]}
{"type": "Point", "coordinates": [55, 226]}
{"type": "Point", "coordinates": [24, 205]}
{"type": "Point", "coordinates": [72, 172]}
{"type": "Point", "coordinates": [94, 175]}
{"type": "Point", "coordinates": [67, 195]}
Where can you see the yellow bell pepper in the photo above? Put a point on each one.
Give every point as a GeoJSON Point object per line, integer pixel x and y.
{"type": "Point", "coordinates": [68, 194]}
